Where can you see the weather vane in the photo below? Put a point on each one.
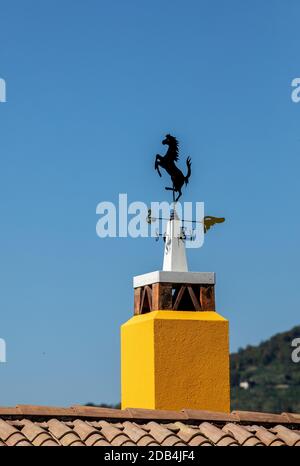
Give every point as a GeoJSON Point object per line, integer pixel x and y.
{"type": "Point", "coordinates": [168, 163]}
{"type": "Point", "coordinates": [178, 179]}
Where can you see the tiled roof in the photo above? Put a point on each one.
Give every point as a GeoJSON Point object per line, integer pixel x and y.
{"type": "Point", "coordinates": [83, 425]}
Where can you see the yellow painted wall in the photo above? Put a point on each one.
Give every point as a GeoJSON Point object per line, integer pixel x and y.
{"type": "Point", "coordinates": [137, 362]}
{"type": "Point", "coordinates": [175, 360]}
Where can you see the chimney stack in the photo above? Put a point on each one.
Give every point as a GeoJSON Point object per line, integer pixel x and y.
{"type": "Point", "coordinates": [175, 349]}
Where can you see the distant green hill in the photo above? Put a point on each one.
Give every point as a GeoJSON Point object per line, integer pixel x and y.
{"type": "Point", "coordinates": [272, 378]}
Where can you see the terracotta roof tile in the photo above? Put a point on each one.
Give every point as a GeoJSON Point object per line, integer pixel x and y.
{"type": "Point", "coordinates": [147, 441]}
{"type": "Point", "coordinates": [292, 417]}
{"type": "Point", "coordinates": [64, 434]}
{"type": "Point", "coordinates": [9, 411]}
{"type": "Point", "coordinates": [37, 435]}
{"type": "Point", "coordinates": [155, 414]}
{"type": "Point", "coordinates": [109, 431]}
{"type": "Point", "coordinates": [242, 435]}
{"type": "Point", "coordinates": [122, 441]}
{"type": "Point", "coordinates": [227, 442]}
{"type": "Point", "coordinates": [77, 426]}
{"type": "Point", "coordinates": [95, 441]}
{"type": "Point", "coordinates": [267, 437]}
{"type": "Point", "coordinates": [159, 432]}
{"type": "Point", "coordinates": [191, 435]}
{"type": "Point", "coordinates": [11, 436]}
{"type": "Point", "coordinates": [290, 437]}
{"type": "Point", "coordinates": [114, 435]}
{"type": "Point", "coordinates": [263, 418]}
{"type": "Point", "coordinates": [209, 416]}
{"type": "Point", "coordinates": [163, 435]}
{"type": "Point", "coordinates": [173, 441]}
{"type": "Point", "coordinates": [216, 435]}
{"type": "Point", "coordinates": [135, 432]}
{"type": "Point", "coordinates": [44, 411]}
{"type": "Point", "coordinates": [88, 434]}
{"type": "Point", "coordinates": [99, 413]}
{"type": "Point", "coordinates": [200, 441]}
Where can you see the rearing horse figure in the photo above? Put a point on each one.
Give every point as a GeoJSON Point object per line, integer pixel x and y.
{"type": "Point", "coordinates": [168, 163]}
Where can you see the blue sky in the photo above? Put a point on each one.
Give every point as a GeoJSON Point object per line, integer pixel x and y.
{"type": "Point", "coordinates": [92, 87]}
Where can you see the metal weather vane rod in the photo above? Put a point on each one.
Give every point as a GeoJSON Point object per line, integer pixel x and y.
{"type": "Point", "coordinates": [208, 220]}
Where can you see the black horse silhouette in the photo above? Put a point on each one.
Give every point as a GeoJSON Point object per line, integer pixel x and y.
{"type": "Point", "coordinates": [168, 163]}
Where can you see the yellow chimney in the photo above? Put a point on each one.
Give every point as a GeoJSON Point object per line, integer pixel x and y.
{"type": "Point", "coordinates": [175, 350]}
